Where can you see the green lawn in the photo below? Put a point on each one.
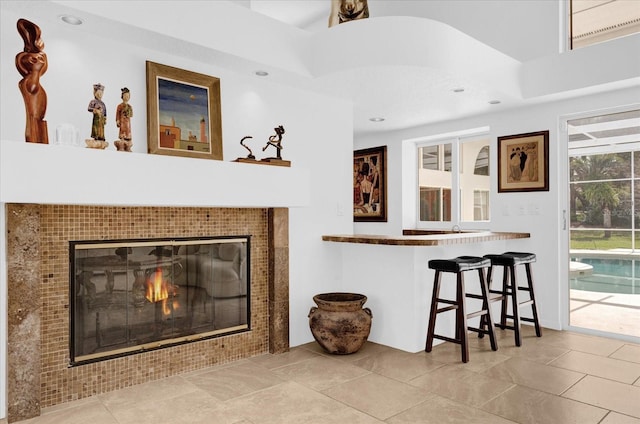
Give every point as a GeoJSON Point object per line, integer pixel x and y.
{"type": "Point", "coordinates": [595, 240]}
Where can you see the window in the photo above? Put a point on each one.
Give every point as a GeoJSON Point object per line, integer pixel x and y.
{"type": "Point", "coordinates": [453, 180]}
{"type": "Point", "coordinates": [594, 21]}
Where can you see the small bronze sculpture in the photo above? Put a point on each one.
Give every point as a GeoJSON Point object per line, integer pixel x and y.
{"type": "Point", "coordinates": [276, 141]}
{"type": "Point", "coordinates": [250, 155]}
{"type": "Point", "coordinates": [32, 64]}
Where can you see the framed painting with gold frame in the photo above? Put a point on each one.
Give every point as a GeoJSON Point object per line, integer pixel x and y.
{"type": "Point", "coordinates": [183, 113]}
{"type": "Point", "coordinates": [370, 184]}
{"type": "Point", "coordinates": [523, 162]}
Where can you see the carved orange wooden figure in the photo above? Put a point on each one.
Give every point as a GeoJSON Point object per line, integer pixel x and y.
{"type": "Point", "coordinates": [32, 64]}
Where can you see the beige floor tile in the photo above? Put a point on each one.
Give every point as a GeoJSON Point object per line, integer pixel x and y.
{"type": "Point", "coordinates": [289, 402]}
{"type": "Point", "coordinates": [529, 406]}
{"type": "Point", "coordinates": [618, 397]}
{"type": "Point", "coordinates": [271, 361]}
{"type": "Point", "coordinates": [588, 344]}
{"type": "Point", "coordinates": [438, 410]}
{"type": "Point", "coordinates": [506, 338]}
{"type": "Point", "coordinates": [532, 351]}
{"type": "Point", "coordinates": [479, 359]}
{"type": "Point", "coordinates": [230, 382]}
{"type": "Point", "coordinates": [320, 373]}
{"type": "Point", "coordinates": [92, 412]}
{"type": "Point", "coordinates": [376, 395]}
{"type": "Point", "coordinates": [534, 375]}
{"type": "Point", "coordinates": [613, 369]}
{"type": "Point", "coordinates": [463, 386]}
{"type": "Point", "coordinates": [193, 408]}
{"type": "Point", "coordinates": [399, 365]}
{"type": "Point", "coordinates": [158, 391]}
{"type": "Point", "coordinates": [615, 418]}
{"type": "Point", "coordinates": [367, 349]}
{"type": "Point", "coordinates": [628, 352]}
{"type": "Point", "coordinates": [344, 416]}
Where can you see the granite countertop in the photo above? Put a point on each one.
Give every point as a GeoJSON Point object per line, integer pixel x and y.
{"type": "Point", "coordinates": [426, 238]}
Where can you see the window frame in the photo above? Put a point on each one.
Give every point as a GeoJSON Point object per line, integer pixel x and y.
{"type": "Point", "coordinates": [411, 209]}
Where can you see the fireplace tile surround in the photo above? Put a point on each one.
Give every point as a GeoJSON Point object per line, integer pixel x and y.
{"type": "Point", "coordinates": [38, 302]}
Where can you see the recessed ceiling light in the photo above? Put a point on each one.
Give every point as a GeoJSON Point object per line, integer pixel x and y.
{"type": "Point", "coordinates": [262, 73]}
{"type": "Point", "coordinates": [376, 119]}
{"type": "Point", "coordinates": [494, 102]}
{"type": "Point", "coordinates": [71, 20]}
{"type": "Point", "coordinates": [458, 90]}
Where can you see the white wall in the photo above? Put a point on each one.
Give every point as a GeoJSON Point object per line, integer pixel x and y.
{"type": "Point", "coordinates": [539, 213]}
{"type": "Point", "coordinates": [318, 138]}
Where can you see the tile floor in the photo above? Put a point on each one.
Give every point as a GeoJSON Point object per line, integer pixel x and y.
{"type": "Point", "coordinates": [560, 378]}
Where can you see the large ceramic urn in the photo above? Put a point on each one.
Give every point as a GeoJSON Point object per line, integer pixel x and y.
{"type": "Point", "coordinates": [339, 323]}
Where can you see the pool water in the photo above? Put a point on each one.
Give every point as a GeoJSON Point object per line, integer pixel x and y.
{"type": "Point", "coordinates": [610, 276]}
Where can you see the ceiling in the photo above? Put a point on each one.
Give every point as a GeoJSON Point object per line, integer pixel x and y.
{"type": "Point", "coordinates": [411, 96]}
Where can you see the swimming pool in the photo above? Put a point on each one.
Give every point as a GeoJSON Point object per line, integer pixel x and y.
{"type": "Point", "coordinates": [610, 275]}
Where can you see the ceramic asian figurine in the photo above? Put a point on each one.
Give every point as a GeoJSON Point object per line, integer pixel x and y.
{"type": "Point", "coordinates": [99, 111]}
{"type": "Point", "coordinates": [124, 113]}
{"type": "Point", "coordinates": [32, 64]}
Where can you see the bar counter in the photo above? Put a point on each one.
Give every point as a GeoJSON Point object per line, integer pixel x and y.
{"type": "Point", "coordinates": [392, 271]}
{"type": "Point", "coordinates": [427, 238]}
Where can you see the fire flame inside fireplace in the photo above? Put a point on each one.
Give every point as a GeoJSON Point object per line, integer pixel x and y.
{"type": "Point", "coordinates": [158, 290]}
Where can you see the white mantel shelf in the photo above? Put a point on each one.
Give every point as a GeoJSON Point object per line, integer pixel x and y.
{"type": "Point", "coordinates": [51, 174]}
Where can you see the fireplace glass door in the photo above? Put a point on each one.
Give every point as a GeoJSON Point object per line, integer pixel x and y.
{"type": "Point", "coordinates": [128, 297]}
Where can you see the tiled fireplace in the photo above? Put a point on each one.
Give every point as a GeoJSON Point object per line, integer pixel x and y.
{"type": "Point", "coordinates": [42, 369]}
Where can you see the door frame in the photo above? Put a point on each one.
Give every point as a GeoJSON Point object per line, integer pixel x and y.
{"type": "Point", "coordinates": [565, 222]}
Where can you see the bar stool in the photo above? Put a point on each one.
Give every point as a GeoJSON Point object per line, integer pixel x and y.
{"type": "Point", "coordinates": [510, 289]}
{"type": "Point", "coordinates": [458, 266]}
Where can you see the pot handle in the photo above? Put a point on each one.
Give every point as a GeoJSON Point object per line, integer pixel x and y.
{"type": "Point", "coordinates": [311, 311]}
{"type": "Point", "coordinates": [368, 311]}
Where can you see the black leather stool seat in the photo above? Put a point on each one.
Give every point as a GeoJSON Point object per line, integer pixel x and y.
{"type": "Point", "coordinates": [508, 293]}
{"type": "Point", "coordinates": [512, 258]}
{"type": "Point", "coordinates": [459, 264]}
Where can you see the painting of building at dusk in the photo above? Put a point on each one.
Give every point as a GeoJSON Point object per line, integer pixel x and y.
{"type": "Point", "coordinates": [183, 112]}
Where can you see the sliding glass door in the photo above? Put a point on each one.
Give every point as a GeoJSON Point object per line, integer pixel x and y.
{"type": "Point", "coordinates": [604, 223]}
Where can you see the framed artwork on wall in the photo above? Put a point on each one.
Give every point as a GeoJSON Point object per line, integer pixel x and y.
{"type": "Point", "coordinates": [370, 184]}
{"type": "Point", "coordinates": [183, 113]}
{"type": "Point", "coordinates": [523, 162]}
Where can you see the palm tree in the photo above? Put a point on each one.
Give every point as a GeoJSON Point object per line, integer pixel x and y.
{"type": "Point", "coordinates": [605, 196]}
{"type": "Point", "coordinates": [597, 194]}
